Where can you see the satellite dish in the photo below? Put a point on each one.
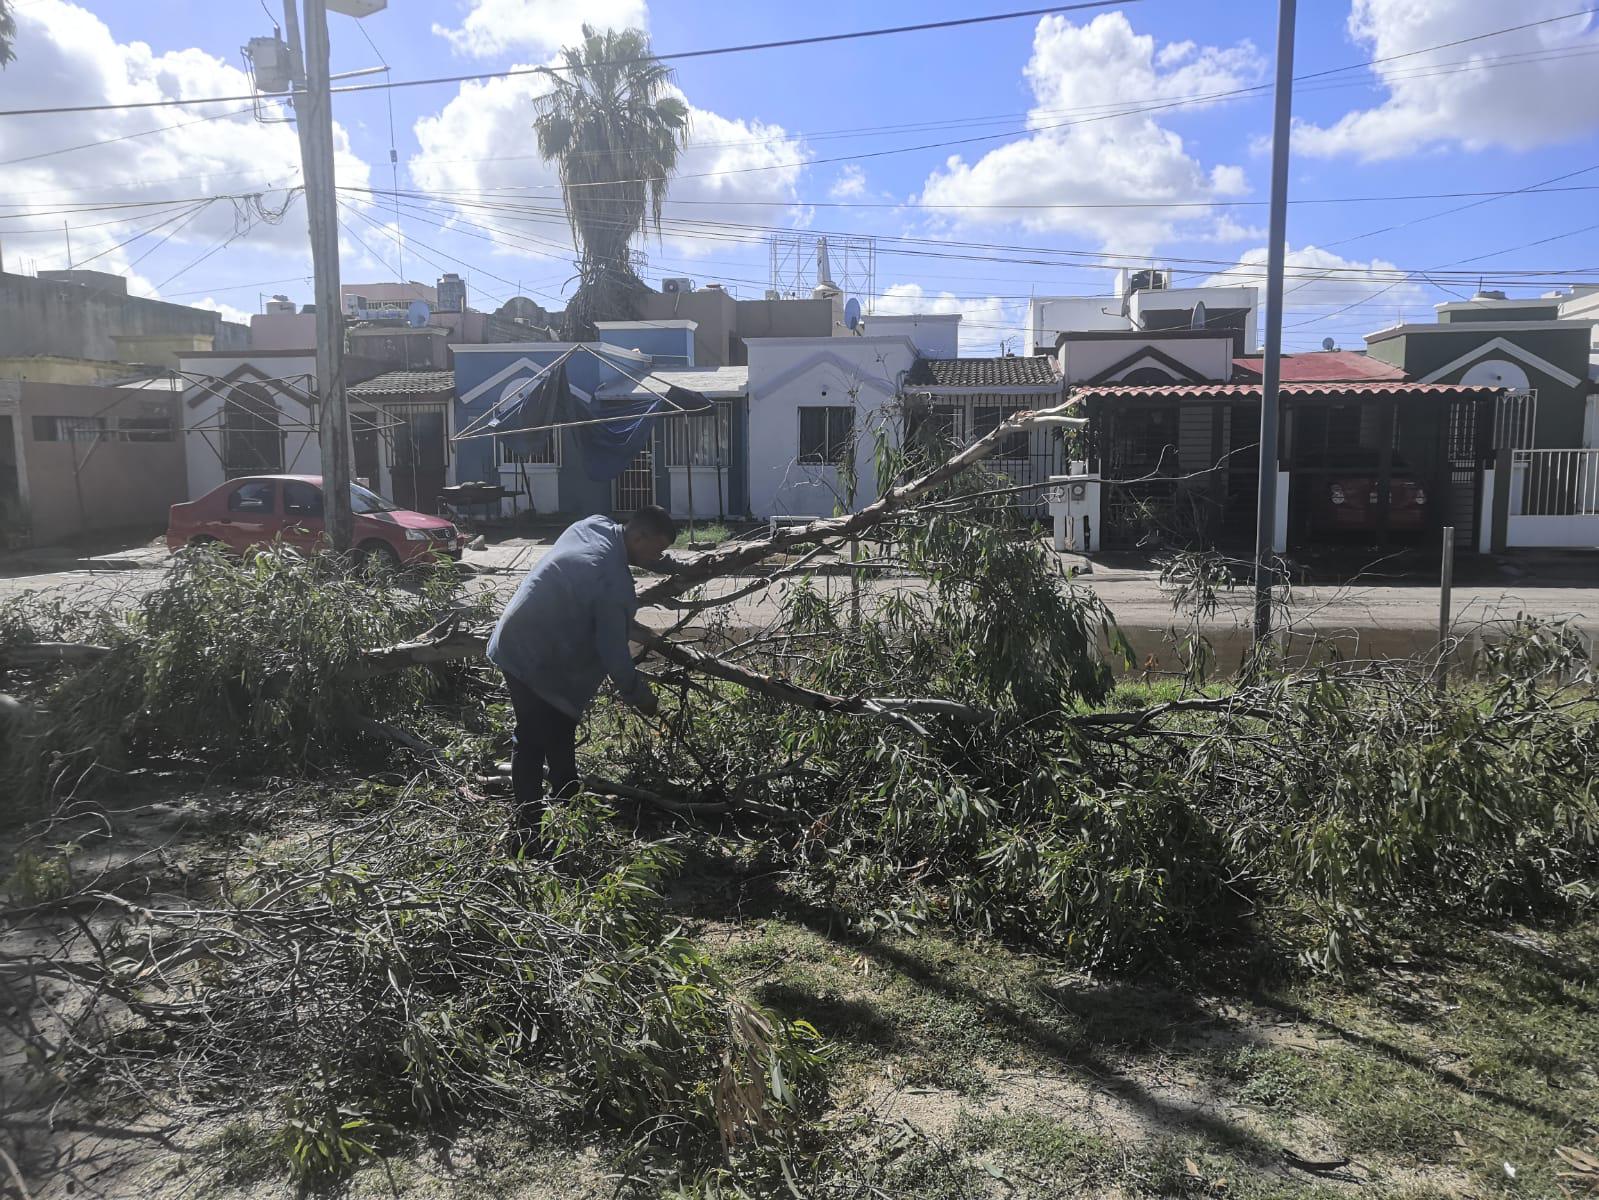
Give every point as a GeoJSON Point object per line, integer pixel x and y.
{"type": "Point", "coordinates": [417, 315]}
{"type": "Point", "coordinates": [1328, 344]}
{"type": "Point", "coordinates": [852, 313]}
{"type": "Point", "coordinates": [1197, 321]}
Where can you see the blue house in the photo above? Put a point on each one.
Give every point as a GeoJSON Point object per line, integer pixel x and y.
{"type": "Point", "coordinates": [693, 465]}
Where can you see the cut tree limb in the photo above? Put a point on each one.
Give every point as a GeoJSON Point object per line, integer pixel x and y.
{"type": "Point", "coordinates": [730, 558]}
{"type": "Point", "coordinates": [39, 654]}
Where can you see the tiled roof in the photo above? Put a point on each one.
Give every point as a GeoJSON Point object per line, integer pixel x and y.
{"type": "Point", "coordinates": [1320, 366]}
{"type": "Point", "coordinates": [1354, 390]}
{"type": "Point", "coordinates": [405, 383]}
{"type": "Point", "coordinates": [1032, 370]}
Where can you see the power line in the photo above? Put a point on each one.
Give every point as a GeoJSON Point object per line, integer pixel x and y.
{"type": "Point", "coordinates": [680, 55]}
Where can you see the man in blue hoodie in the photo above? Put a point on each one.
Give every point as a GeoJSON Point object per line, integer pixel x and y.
{"type": "Point", "coordinates": [563, 632]}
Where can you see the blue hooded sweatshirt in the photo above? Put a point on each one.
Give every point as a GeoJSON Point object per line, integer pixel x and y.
{"type": "Point", "coordinates": [566, 627]}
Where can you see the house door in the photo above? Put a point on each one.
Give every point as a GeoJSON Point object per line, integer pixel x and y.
{"type": "Point", "coordinates": [635, 486]}
{"type": "Point", "coordinates": [13, 522]}
{"type": "Point", "coordinates": [365, 444]}
{"type": "Point", "coordinates": [420, 448]}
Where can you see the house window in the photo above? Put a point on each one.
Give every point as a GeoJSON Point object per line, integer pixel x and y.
{"type": "Point", "coordinates": [67, 429]}
{"type": "Point", "coordinates": [546, 450]}
{"type": "Point", "coordinates": [255, 497]}
{"type": "Point", "coordinates": [252, 442]}
{"type": "Point", "coordinates": [146, 429]}
{"type": "Point", "coordinates": [987, 419]}
{"type": "Point", "coordinates": [825, 433]}
{"type": "Point", "coordinates": [699, 441]}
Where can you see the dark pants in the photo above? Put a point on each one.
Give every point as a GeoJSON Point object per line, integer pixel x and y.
{"type": "Point", "coordinates": [545, 737]}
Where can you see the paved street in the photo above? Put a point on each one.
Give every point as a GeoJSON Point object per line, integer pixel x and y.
{"type": "Point", "coordinates": [1361, 621]}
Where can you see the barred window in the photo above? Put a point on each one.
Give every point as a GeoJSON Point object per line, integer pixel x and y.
{"type": "Point", "coordinates": [546, 450]}
{"type": "Point", "coordinates": [825, 433]}
{"type": "Point", "coordinates": [986, 420]}
{"type": "Point", "coordinates": [699, 441]}
{"type": "Point", "coordinates": [67, 429]}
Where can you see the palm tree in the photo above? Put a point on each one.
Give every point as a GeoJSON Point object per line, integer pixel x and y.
{"type": "Point", "coordinates": [8, 33]}
{"type": "Point", "coordinates": [615, 139]}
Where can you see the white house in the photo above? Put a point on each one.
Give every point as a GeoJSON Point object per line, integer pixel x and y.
{"type": "Point", "coordinates": [248, 412]}
{"type": "Point", "coordinates": [816, 404]}
{"type": "Point", "coordinates": [1145, 301]}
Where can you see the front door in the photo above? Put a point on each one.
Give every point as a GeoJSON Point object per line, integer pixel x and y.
{"type": "Point", "coordinates": [421, 444]}
{"type": "Point", "coordinates": [635, 486]}
{"type": "Point", "coordinates": [364, 439]}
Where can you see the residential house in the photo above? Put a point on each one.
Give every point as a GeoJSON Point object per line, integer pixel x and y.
{"type": "Point", "coordinates": [1365, 455]}
{"type": "Point", "coordinates": [249, 412]}
{"type": "Point", "coordinates": [83, 327]}
{"type": "Point", "coordinates": [1146, 301]}
{"type": "Point", "coordinates": [1531, 347]}
{"type": "Point", "coordinates": [76, 458]}
{"type": "Point", "coordinates": [632, 362]}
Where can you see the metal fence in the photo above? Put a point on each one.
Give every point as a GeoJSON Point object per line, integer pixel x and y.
{"type": "Point", "coordinates": [1555, 483]}
{"type": "Point", "coordinates": [1516, 420]}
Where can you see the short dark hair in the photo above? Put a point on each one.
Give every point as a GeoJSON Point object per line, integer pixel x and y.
{"type": "Point", "coordinates": [653, 521]}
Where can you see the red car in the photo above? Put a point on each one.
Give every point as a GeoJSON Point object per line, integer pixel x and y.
{"type": "Point", "coordinates": [260, 509]}
{"type": "Point", "coordinates": [1347, 499]}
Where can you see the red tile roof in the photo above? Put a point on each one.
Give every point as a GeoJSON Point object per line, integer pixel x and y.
{"type": "Point", "coordinates": [1321, 366]}
{"type": "Point", "coordinates": [1239, 392]}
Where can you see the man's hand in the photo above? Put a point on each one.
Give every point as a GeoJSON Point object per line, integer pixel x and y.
{"type": "Point", "coordinates": [644, 701]}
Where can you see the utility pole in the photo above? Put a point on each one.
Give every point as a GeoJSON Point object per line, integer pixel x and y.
{"type": "Point", "coordinates": [313, 110]}
{"type": "Point", "coordinates": [1271, 368]}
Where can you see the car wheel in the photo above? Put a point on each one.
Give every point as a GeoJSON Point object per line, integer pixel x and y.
{"type": "Point", "coordinates": [379, 554]}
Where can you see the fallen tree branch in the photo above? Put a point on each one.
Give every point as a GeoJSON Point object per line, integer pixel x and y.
{"type": "Point", "coordinates": [38, 654]}
{"type": "Point", "coordinates": [730, 558]}
{"type": "Point", "coordinates": [901, 710]}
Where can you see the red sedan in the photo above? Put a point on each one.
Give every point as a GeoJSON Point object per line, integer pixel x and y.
{"type": "Point", "coordinates": [260, 509]}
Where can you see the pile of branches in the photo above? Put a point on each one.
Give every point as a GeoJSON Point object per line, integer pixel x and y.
{"type": "Point", "coordinates": [407, 975]}
{"type": "Point", "coordinates": [253, 664]}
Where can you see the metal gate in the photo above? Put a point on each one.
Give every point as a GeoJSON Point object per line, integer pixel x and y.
{"type": "Point", "coordinates": [1468, 434]}
{"type": "Point", "coordinates": [635, 486]}
{"type": "Point", "coordinates": [419, 449]}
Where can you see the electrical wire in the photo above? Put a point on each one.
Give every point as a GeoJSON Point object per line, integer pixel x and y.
{"type": "Point", "coordinates": [675, 56]}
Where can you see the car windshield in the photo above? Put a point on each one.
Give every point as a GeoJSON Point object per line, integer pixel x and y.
{"type": "Point", "coordinates": [363, 501]}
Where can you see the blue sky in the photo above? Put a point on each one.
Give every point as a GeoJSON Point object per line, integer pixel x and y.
{"type": "Point", "coordinates": [792, 138]}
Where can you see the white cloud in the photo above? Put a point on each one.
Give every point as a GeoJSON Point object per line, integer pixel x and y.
{"type": "Point", "coordinates": [851, 182]}
{"type": "Point", "coordinates": [494, 26]}
{"type": "Point", "coordinates": [1535, 101]}
{"type": "Point", "coordinates": [67, 53]}
{"type": "Point", "coordinates": [985, 322]}
{"type": "Point", "coordinates": [1320, 283]}
{"type": "Point", "coordinates": [1101, 156]}
{"type": "Point", "coordinates": [227, 311]}
{"type": "Point", "coordinates": [733, 170]}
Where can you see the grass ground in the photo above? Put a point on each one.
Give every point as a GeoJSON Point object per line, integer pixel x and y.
{"type": "Point", "coordinates": [976, 1071]}
{"type": "Point", "coordinates": [968, 1069]}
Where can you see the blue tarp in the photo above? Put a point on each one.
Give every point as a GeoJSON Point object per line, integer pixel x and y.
{"type": "Point", "coordinates": [609, 447]}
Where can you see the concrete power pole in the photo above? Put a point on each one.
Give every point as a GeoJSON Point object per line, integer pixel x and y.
{"type": "Point", "coordinates": [313, 109]}
{"type": "Point", "coordinates": [1271, 366]}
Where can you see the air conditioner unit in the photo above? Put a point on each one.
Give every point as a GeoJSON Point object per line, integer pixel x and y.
{"type": "Point", "coordinates": [677, 283]}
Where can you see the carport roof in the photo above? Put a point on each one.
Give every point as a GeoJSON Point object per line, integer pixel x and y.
{"type": "Point", "coordinates": [405, 383]}
{"type": "Point", "coordinates": [1242, 393]}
